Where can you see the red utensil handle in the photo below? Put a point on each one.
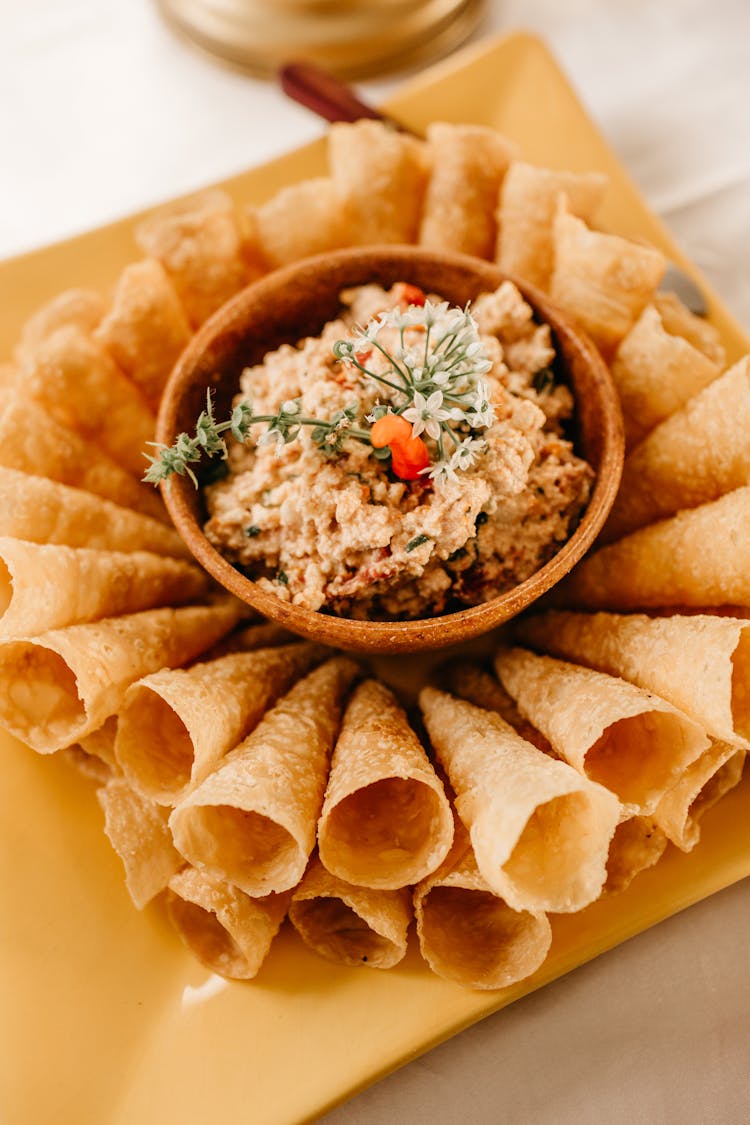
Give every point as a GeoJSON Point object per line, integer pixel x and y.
{"type": "Point", "coordinates": [325, 95]}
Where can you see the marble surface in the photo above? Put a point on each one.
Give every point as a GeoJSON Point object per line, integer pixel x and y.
{"type": "Point", "coordinates": [103, 111]}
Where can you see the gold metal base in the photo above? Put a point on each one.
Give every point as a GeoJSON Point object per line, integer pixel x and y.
{"type": "Point", "coordinates": [349, 38]}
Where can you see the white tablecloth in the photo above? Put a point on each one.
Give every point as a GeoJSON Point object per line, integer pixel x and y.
{"type": "Point", "coordinates": [103, 111]}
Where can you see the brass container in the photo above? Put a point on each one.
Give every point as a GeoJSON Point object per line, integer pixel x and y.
{"type": "Point", "coordinates": [349, 38]}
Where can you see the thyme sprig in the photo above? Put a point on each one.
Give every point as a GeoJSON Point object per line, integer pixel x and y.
{"type": "Point", "coordinates": [282, 427]}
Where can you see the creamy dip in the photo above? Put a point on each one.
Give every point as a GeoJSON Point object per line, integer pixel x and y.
{"type": "Point", "coordinates": [344, 534]}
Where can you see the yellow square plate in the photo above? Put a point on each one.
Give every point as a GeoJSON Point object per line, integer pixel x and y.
{"type": "Point", "coordinates": [103, 1017]}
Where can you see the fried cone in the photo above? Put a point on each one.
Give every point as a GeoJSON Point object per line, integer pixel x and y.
{"type": "Point", "coordinates": [252, 821]}
{"type": "Point", "coordinates": [146, 328]}
{"type": "Point", "coordinates": [139, 834]}
{"type": "Point", "coordinates": [60, 686]}
{"type": "Point", "coordinates": [46, 511]}
{"type": "Point", "coordinates": [177, 724]}
{"type": "Point", "coordinates": [199, 241]}
{"type": "Point", "coordinates": [350, 925]}
{"type": "Point", "coordinates": [700, 557]}
{"type": "Point", "coordinates": [229, 932]}
{"type": "Point", "coordinates": [386, 821]}
{"type": "Point", "coordinates": [301, 220]}
{"type": "Point", "coordinates": [618, 735]}
{"type": "Point", "coordinates": [380, 177]}
{"type": "Point", "coordinates": [600, 280]}
{"type": "Point", "coordinates": [656, 373]}
{"type": "Point", "coordinates": [80, 386]}
{"type": "Point", "coordinates": [699, 454]}
{"type": "Point", "coordinates": [32, 442]}
{"type": "Point", "coordinates": [704, 783]}
{"type": "Point", "coordinates": [470, 935]}
{"type": "Point", "coordinates": [699, 663]}
{"type": "Point", "coordinates": [468, 164]}
{"type": "Point", "coordinates": [540, 831]}
{"type": "Point", "coordinates": [44, 587]}
{"type": "Point", "coordinates": [82, 308]}
{"type": "Point", "coordinates": [526, 215]}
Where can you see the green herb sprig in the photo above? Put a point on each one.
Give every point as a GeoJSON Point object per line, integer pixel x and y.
{"type": "Point", "coordinates": [282, 428]}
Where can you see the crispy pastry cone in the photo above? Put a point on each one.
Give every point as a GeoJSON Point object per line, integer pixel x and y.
{"type": "Point", "coordinates": [146, 327]}
{"type": "Point", "coordinates": [87, 765]}
{"type": "Point", "coordinates": [656, 373]}
{"type": "Point", "coordinates": [101, 743]}
{"type": "Point", "coordinates": [59, 687]}
{"type": "Point", "coordinates": [300, 220]}
{"type": "Point", "coordinates": [704, 783]}
{"type": "Point", "coordinates": [700, 557]}
{"type": "Point", "coordinates": [177, 724]}
{"type": "Point", "coordinates": [380, 177]}
{"type": "Point", "coordinates": [618, 735]}
{"type": "Point", "coordinates": [468, 164]}
{"type": "Point", "coordinates": [680, 321]}
{"type": "Point", "coordinates": [249, 637]}
{"type": "Point", "coordinates": [34, 443]}
{"type": "Point", "coordinates": [699, 663]}
{"type": "Point", "coordinates": [46, 587]}
{"type": "Point", "coordinates": [199, 241]}
{"type": "Point", "coordinates": [94, 755]}
{"type": "Point", "coordinates": [540, 830]}
{"type": "Point", "coordinates": [229, 932]}
{"type": "Point", "coordinates": [82, 308]}
{"type": "Point", "coordinates": [386, 821]}
{"type": "Point", "coordinates": [45, 511]}
{"type": "Point", "coordinates": [139, 834]}
{"type": "Point", "coordinates": [526, 215]}
{"type": "Point", "coordinates": [350, 925]}
{"type": "Point", "coordinates": [697, 455]}
{"type": "Point", "coordinates": [252, 821]}
{"type": "Point", "coordinates": [638, 843]}
{"type": "Point", "coordinates": [472, 683]}
{"type": "Point", "coordinates": [600, 280]}
{"type": "Point", "coordinates": [470, 935]}
{"type": "Point", "coordinates": [79, 385]}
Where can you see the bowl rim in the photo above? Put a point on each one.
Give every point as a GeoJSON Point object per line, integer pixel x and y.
{"type": "Point", "coordinates": [416, 634]}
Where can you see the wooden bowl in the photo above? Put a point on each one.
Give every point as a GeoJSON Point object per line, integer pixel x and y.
{"type": "Point", "coordinates": [297, 301]}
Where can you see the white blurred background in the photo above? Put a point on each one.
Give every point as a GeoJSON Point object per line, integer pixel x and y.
{"type": "Point", "coordinates": [103, 110]}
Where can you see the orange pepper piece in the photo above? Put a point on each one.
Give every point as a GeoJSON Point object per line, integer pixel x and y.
{"type": "Point", "coordinates": [409, 454]}
{"type": "Point", "coordinates": [391, 430]}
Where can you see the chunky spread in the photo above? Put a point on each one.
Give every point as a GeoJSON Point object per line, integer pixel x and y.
{"type": "Point", "coordinates": [402, 503]}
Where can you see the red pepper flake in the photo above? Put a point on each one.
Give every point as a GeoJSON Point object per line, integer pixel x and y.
{"type": "Point", "coordinates": [410, 294]}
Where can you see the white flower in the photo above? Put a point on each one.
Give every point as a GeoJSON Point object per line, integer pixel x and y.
{"type": "Point", "coordinates": [272, 437]}
{"type": "Point", "coordinates": [411, 317]}
{"type": "Point", "coordinates": [426, 414]}
{"type": "Point", "coordinates": [467, 453]}
{"type": "Point", "coordinates": [441, 378]}
{"type": "Point", "coordinates": [433, 314]}
{"type": "Point", "coordinates": [363, 338]}
{"type": "Point", "coordinates": [481, 414]}
{"type": "Point", "coordinates": [441, 473]}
